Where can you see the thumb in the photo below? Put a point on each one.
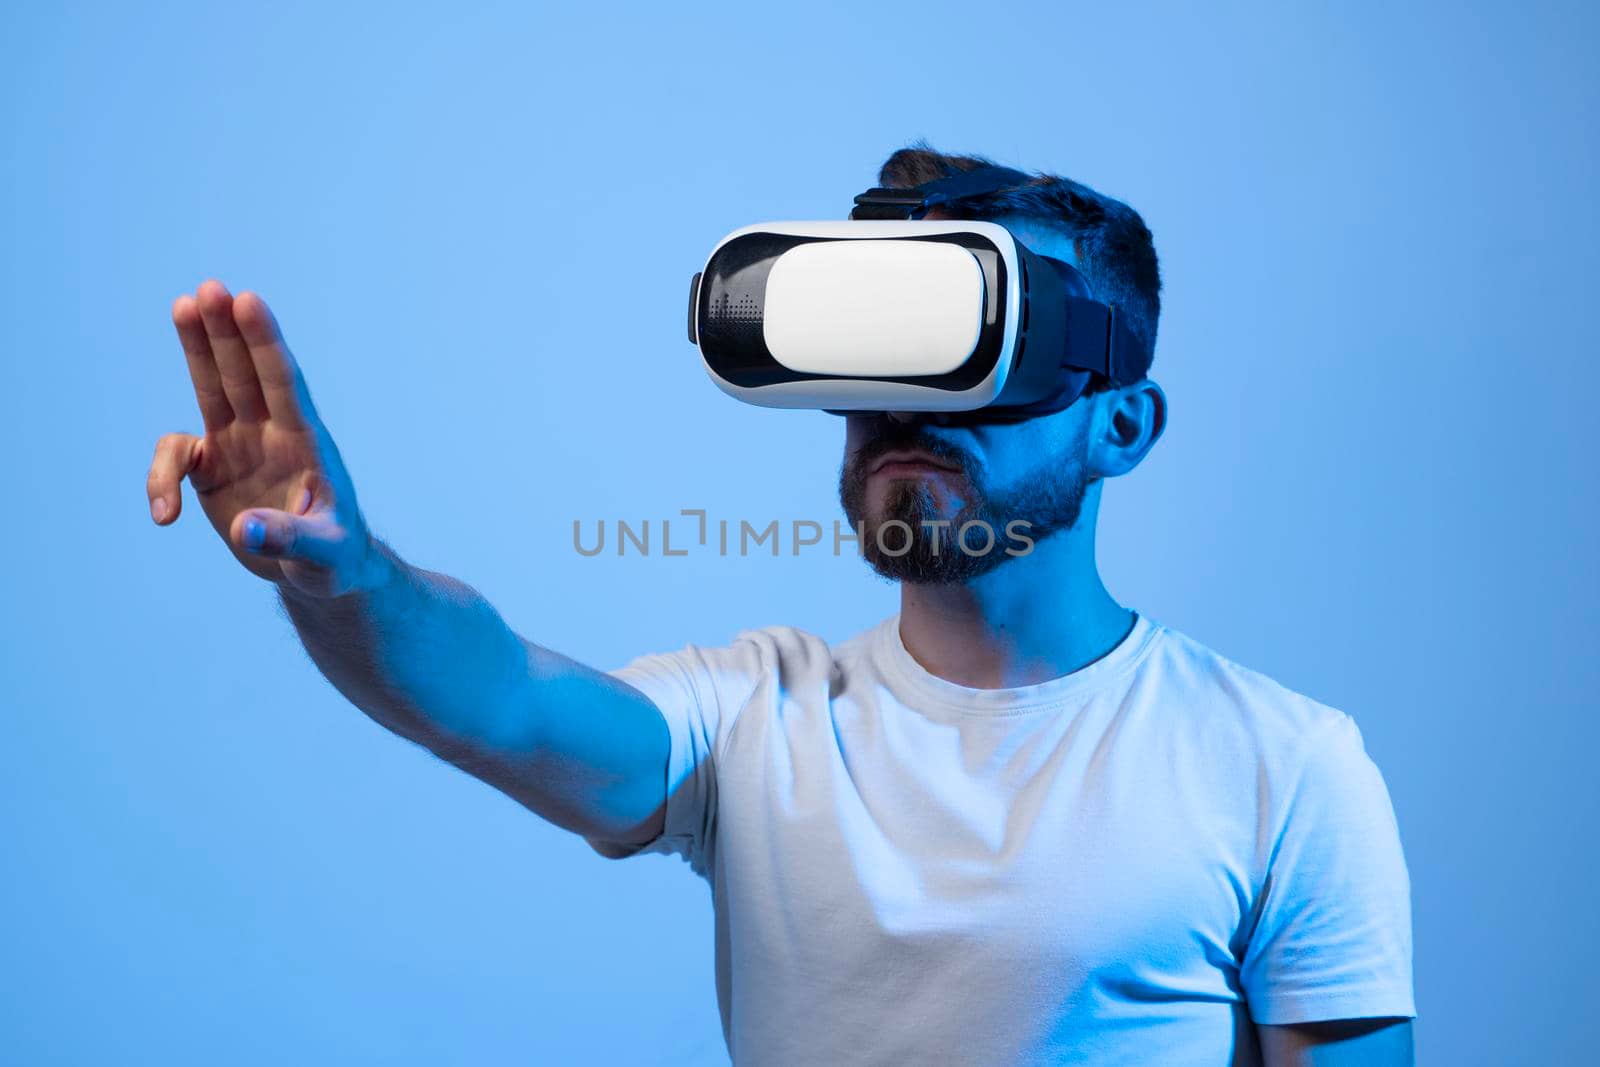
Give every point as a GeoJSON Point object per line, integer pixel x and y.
{"type": "Point", "coordinates": [314, 538]}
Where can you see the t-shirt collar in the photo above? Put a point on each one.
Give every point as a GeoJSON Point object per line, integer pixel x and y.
{"type": "Point", "coordinates": [917, 687]}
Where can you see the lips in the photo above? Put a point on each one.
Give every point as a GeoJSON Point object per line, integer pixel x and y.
{"type": "Point", "coordinates": [918, 458]}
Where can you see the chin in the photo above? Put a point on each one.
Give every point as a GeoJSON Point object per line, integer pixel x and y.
{"type": "Point", "coordinates": [914, 500]}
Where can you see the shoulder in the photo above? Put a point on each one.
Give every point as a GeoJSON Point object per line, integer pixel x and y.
{"type": "Point", "coordinates": [1220, 694]}
{"type": "Point", "coordinates": [787, 653]}
{"type": "Point", "coordinates": [1314, 791]}
{"type": "Point", "coordinates": [1225, 723]}
{"type": "Point", "coordinates": [731, 671]}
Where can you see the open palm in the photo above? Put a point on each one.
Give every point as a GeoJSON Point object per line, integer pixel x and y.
{"type": "Point", "coordinates": [266, 472]}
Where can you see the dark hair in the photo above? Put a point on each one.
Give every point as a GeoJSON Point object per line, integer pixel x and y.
{"type": "Point", "coordinates": [1115, 252]}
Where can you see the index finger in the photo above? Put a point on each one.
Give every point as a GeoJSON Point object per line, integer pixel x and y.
{"type": "Point", "coordinates": [288, 400]}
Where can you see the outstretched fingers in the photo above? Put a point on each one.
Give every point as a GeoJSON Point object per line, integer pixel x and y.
{"type": "Point", "coordinates": [234, 366]}
{"type": "Point", "coordinates": [282, 387]}
{"type": "Point", "coordinates": [176, 455]}
{"type": "Point", "coordinates": [215, 411]}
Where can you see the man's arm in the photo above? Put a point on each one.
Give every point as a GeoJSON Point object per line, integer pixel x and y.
{"type": "Point", "coordinates": [430, 659]}
{"type": "Point", "coordinates": [421, 653]}
{"type": "Point", "coordinates": [1338, 1043]}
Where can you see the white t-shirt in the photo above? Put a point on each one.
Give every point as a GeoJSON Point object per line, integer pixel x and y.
{"type": "Point", "coordinates": [1129, 864]}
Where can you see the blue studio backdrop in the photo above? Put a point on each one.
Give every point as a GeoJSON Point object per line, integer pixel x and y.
{"type": "Point", "coordinates": [477, 226]}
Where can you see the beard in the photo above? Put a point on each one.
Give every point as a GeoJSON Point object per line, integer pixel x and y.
{"type": "Point", "coordinates": [931, 519]}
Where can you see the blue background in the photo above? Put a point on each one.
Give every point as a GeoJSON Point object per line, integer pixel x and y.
{"type": "Point", "coordinates": [1378, 232]}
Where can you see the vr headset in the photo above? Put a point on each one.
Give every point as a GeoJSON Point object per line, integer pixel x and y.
{"type": "Point", "coordinates": [893, 312]}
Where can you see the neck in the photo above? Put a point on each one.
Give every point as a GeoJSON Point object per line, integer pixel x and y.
{"type": "Point", "coordinates": [1033, 618]}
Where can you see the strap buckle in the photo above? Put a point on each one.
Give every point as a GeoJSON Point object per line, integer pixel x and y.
{"type": "Point", "coordinates": [879, 203]}
{"type": "Point", "coordinates": [913, 203]}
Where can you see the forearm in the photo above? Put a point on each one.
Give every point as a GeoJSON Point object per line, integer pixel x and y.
{"type": "Point", "coordinates": [424, 655]}
{"type": "Point", "coordinates": [429, 658]}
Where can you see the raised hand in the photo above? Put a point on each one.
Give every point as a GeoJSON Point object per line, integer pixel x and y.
{"type": "Point", "coordinates": [266, 472]}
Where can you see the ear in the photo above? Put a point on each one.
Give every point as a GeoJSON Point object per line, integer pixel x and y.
{"type": "Point", "coordinates": [1130, 420]}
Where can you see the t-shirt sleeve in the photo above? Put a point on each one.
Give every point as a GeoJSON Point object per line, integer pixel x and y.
{"type": "Point", "coordinates": [1332, 939]}
{"type": "Point", "coordinates": [691, 688]}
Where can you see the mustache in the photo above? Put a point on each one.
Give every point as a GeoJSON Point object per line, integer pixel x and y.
{"type": "Point", "coordinates": [891, 436]}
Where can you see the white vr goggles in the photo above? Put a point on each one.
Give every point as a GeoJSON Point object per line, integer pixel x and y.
{"type": "Point", "coordinates": [892, 312]}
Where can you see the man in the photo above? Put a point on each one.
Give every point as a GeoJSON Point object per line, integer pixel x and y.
{"type": "Point", "coordinates": [1016, 823]}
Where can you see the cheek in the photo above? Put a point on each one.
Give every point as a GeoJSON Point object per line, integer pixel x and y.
{"type": "Point", "coordinates": [855, 434]}
{"type": "Point", "coordinates": [1030, 450]}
